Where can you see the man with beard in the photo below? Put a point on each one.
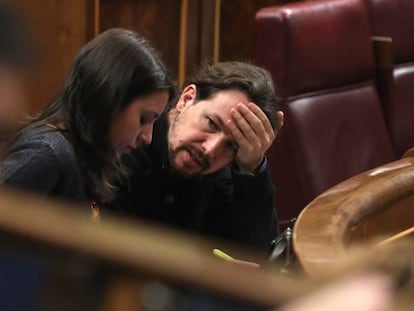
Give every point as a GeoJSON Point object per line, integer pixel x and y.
{"type": "Point", "coordinates": [205, 170]}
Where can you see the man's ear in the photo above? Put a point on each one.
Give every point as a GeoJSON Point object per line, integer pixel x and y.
{"type": "Point", "coordinates": [187, 97]}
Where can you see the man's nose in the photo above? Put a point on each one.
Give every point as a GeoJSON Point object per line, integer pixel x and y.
{"type": "Point", "coordinates": [145, 136]}
{"type": "Point", "coordinates": [212, 145]}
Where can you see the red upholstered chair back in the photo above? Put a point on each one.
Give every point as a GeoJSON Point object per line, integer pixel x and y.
{"type": "Point", "coordinates": [321, 59]}
{"type": "Point", "coordinates": [395, 19]}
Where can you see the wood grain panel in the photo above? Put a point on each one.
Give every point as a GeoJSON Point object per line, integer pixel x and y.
{"type": "Point", "coordinates": [59, 28]}
{"type": "Point", "coordinates": [190, 37]}
{"type": "Point", "coordinates": [158, 21]}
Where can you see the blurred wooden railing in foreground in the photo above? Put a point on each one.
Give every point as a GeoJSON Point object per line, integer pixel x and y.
{"type": "Point", "coordinates": [34, 225]}
{"type": "Point", "coordinates": [375, 205]}
{"type": "Point", "coordinates": [119, 265]}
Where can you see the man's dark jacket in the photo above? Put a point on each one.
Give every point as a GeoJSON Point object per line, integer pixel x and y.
{"type": "Point", "coordinates": [226, 204]}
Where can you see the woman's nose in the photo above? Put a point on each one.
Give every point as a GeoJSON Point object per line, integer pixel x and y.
{"type": "Point", "coordinates": [145, 136]}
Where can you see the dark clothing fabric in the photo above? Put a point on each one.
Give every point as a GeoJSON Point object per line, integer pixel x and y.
{"type": "Point", "coordinates": [226, 204]}
{"type": "Point", "coordinates": [42, 160]}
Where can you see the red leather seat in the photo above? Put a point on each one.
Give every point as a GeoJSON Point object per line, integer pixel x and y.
{"type": "Point", "coordinates": [395, 19]}
{"type": "Point", "coordinates": [321, 59]}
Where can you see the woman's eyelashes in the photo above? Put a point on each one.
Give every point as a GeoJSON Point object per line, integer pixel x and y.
{"type": "Point", "coordinates": [148, 118]}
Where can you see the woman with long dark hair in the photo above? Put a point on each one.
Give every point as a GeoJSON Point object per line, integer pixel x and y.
{"type": "Point", "coordinates": [115, 90]}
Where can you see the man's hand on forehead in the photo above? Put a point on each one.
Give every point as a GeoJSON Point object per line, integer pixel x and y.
{"type": "Point", "coordinates": [253, 133]}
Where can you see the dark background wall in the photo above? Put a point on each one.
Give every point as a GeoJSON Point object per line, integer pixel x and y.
{"type": "Point", "coordinates": [184, 31]}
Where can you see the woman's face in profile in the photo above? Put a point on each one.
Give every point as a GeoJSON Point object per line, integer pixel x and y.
{"type": "Point", "coordinates": [134, 124]}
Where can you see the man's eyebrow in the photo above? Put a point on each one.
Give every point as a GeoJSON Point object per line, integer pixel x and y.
{"type": "Point", "coordinates": [225, 128]}
{"type": "Point", "coordinates": [221, 123]}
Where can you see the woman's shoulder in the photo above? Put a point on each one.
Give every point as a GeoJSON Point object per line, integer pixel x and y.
{"type": "Point", "coordinates": [43, 136]}
{"type": "Point", "coordinates": [42, 160]}
{"type": "Point", "coordinates": [44, 140]}
{"type": "Point", "coordinates": [40, 150]}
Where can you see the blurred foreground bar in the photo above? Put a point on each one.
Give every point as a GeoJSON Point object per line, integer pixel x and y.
{"type": "Point", "coordinates": [52, 257]}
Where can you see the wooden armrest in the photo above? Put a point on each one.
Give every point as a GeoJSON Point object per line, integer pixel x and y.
{"type": "Point", "coordinates": [398, 236]}
{"type": "Point", "coordinates": [409, 153]}
{"type": "Point", "coordinates": [373, 205]}
{"type": "Point", "coordinates": [382, 50]}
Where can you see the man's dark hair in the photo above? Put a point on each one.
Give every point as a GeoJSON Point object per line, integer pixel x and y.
{"type": "Point", "coordinates": [255, 82]}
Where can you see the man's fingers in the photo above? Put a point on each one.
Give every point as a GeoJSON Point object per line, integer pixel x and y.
{"type": "Point", "coordinates": [244, 126]}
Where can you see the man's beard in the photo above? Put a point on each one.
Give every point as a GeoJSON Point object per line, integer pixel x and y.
{"type": "Point", "coordinates": [196, 154]}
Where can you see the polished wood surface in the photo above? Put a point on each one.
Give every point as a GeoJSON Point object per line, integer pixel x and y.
{"type": "Point", "coordinates": [376, 205]}
{"type": "Point", "coordinates": [384, 67]}
{"type": "Point", "coordinates": [186, 32]}
{"type": "Point", "coordinates": [159, 21]}
{"type": "Point", "coordinates": [138, 248]}
{"type": "Point", "coordinates": [398, 236]}
{"type": "Point", "coordinates": [409, 153]}
{"type": "Point", "coordinates": [58, 29]}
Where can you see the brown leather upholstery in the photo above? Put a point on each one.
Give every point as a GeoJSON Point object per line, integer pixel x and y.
{"type": "Point", "coordinates": [321, 59]}
{"type": "Point", "coordinates": [395, 19]}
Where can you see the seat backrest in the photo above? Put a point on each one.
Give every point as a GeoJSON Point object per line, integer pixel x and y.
{"type": "Point", "coordinates": [395, 19]}
{"type": "Point", "coordinates": [321, 59]}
